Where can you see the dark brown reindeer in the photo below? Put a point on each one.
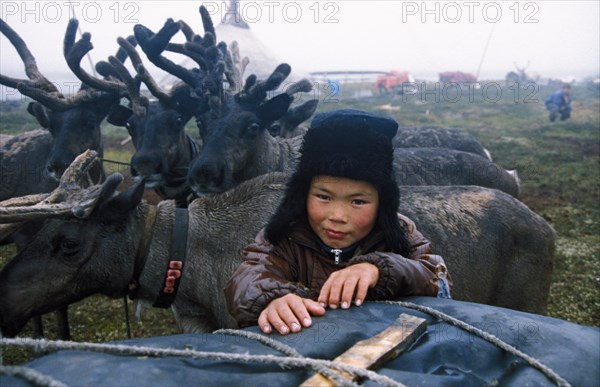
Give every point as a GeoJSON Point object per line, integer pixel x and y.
{"type": "Point", "coordinates": [163, 149]}
{"type": "Point", "coordinates": [234, 122]}
{"type": "Point", "coordinates": [204, 82]}
{"type": "Point", "coordinates": [237, 144]}
{"type": "Point", "coordinates": [74, 121]}
{"type": "Point", "coordinates": [74, 125]}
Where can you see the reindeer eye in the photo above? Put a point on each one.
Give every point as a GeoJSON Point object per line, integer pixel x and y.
{"type": "Point", "coordinates": [69, 246]}
{"type": "Point", "coordinates": [128, 125]}
{"type": "Point", "coordinates": [179, 121]}
{"type": "Point", "coordinates": [275, 130]}
{"type": "Point", "coordinates": [253, 129]}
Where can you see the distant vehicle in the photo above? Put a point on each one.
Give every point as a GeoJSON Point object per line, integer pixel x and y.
{"type": "Point", "coordinates": [393, 82]}
{"type": "Point", "coordinates": [457, 77]}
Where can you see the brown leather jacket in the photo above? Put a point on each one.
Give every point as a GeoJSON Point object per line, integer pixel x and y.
{"type": "Point", "coordinates": [300, 265]}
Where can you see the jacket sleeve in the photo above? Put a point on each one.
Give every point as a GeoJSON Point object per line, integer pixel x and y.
{"type": "Point", "coordinates": [262, 277]}
{"type": "Point", "coordinates": [417, 275]}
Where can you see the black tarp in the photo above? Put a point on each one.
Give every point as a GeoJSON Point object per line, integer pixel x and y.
{"type": "Point", "coordinates": [444, 355]}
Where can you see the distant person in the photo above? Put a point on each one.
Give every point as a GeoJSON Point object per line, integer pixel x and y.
{"type": "Point", "coordinates": [559, 103]}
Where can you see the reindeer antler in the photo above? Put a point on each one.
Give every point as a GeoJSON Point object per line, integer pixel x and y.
{"type": "Point", "coordinates": [39, 87]}
{"type": "Point", "coordinates": [206, 81]}
{"type": "Point", "coordinates": [31, 70]}
{"type": "Point", "coordinates": [75, 196]}
{"type": "Point", "coordinates": [117, 77]}
{"type": "Point", "coordinates": [256, 91]}
{"type": "Point", "coordinates": [154, 44]}
{"type": "Point", "coordinates": [235, 66]}
{"type": "Point", "coordinates": [74, 53]}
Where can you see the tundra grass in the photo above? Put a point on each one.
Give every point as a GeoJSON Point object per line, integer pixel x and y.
{"type": "Point", "coordinates": [558, 163]}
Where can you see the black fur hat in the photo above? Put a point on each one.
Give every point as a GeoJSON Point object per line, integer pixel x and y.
{"type": "Point", "coordinates": [351, 144]}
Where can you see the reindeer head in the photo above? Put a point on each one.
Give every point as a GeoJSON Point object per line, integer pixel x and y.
{"type": "Point", "coordinates": [74, 121]}
{"type": "Point", "coordinates": [72, 224]}
{"type": "Point", "coordinates": [235, 134]}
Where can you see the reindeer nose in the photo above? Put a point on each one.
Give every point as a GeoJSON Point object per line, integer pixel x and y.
{"type": "Point", "coordinates": [208, 177]}
{"type": "Point", "coordinates": [145, 165]}
{"type": "Point", "coordinates": [56, 168]}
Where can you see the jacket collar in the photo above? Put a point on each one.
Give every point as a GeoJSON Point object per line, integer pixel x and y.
{"type": "Point", "coordinates": [303, 234]}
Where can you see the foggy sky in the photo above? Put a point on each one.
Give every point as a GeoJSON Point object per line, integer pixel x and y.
{"type": "Point", "coordinates": [553, 39]}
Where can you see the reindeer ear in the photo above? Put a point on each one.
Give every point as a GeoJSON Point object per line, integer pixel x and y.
{"type": "Point", "coordinates": [109, 186]}
{"type": "Point", "coordinates": [299, 114]}
{"type": "Point", "coordinates": [274, 108]}
{"type": "Point", "coordinates": [37, 110]}
{"type": "Point", "coordinates": [118, 115]}
{"type": "Point", "coordinates": [119, 206]}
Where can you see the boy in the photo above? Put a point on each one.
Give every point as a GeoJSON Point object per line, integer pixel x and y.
{"type": "Point", "coordinates": [336, 237]}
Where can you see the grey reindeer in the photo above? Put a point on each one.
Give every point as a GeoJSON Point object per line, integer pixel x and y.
{"type": "Point", "coordinates": [97, 240]}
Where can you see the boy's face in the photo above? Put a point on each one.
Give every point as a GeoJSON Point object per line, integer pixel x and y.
{"type": "Point", "coordinates": [341, 211]}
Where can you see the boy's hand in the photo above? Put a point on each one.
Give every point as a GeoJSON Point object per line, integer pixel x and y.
{"type": "Point", "coordinates": [343, 284]}
{"type": "Point", "coordinates": [289, 314]}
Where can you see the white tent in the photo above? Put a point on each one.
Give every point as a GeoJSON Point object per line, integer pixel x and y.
{"type": "Point", "coordinates": [234, 28]}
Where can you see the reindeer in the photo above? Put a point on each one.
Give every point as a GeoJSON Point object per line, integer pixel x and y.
{"type": "Point", "coordinates": [237, 142]}
{"type": "Point", "coordinates": [438, 137]}
{"type": "Point", "coordinates": [73, 122]}
{"type": "Point", "coordinates": [23, 164]}
{"type": "Point", "coordinates": [498, 251]}
{"type": "Point", "coordinates": [437, 166]}
{"type": "Point", "coordinates": [289, 126]}
{"type": "Point", "coordinates": [520, 76]}
{"type": "Point", "coordinates": [234, 128]}
{"type": "Point", "coordinates": [157, 127]}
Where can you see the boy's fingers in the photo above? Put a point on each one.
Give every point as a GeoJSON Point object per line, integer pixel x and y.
{"type": "Point", "coordinates": [263, 323]}
{"type": "Point", "coordinates": [313, 308]}
{"type": "Point", "coordinates": [348, 292]}
{"type": "Point", "coordinates": [335, 284]}
{"type": "Point", "coordinates": [323, 299]}
{"type": "Point", "coordinates": [278, 322]}
{"type": "Point", "coordinates": [361, 292]}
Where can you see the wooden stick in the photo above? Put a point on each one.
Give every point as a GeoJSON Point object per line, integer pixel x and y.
{"type": "Point", "coordinates": [375, 351]}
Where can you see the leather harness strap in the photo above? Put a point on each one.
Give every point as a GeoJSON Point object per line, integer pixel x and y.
{"type": "Point", "coordinates": [142, 253]}
{"type": "Point", "coordinates": [177, 252]}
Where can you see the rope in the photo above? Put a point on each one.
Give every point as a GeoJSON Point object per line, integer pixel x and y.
{"type": "Point", "coordinates": [114, 162]}
{"type": "Point", "coordinates": [549, 372]}
{"type": "Point", "coordinates": [294, 359]}
{"type": "Point", "coordinates": [287, 350]}
{"type": "Point", "coordinates": [31, 375]}
{"type": "Point", "coordinates": [487, 44]}
{"type": "Point", "coordinates": [120, 349]}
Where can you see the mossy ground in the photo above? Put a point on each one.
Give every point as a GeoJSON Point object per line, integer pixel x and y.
{"type": "Point", "coordinates": [558, 164]}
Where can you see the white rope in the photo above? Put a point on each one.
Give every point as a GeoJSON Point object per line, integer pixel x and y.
{"type": "Point", "coordinates": [121, 349]}
{"type": "Point", "coordinates": [287, 350]}
{"type": "Point", "coordinates": [549, 372]}
{"type": "Point", "coordinates": [30, 375]}
{"type": "Point", "coordinates": [294, 359]}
